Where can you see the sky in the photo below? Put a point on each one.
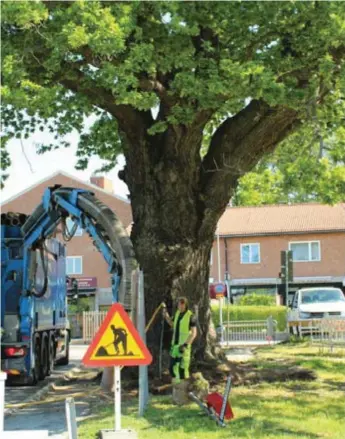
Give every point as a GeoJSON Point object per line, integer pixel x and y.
{"type": "Point", "coordinates": [21, 176]}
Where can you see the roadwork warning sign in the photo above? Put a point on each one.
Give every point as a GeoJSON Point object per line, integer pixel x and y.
{"type": "Point", "coordinates": [117, 342]}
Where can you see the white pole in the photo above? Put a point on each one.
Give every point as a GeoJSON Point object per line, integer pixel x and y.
{"type": "Point", "coordinates": [221, 319]}
{"type": "Point", "coordinates": [221, 299]}
{"type": "Point", "coordinates": [71, 419]}
{"type": "Point", "coordinates": [143, 370]}
{"type": "Point", "coordinates": [287, 284]}
{"type": "Point", "coordinates": [117, 398]}
{"type": "Point", "coordinates": [3, 377]}
{"type": "Point", "coordinates": [218, 255]}
{"type": "Point", "coordinates": [287, 276]}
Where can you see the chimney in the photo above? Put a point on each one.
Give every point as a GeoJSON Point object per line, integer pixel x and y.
{"type": "Point", "coordinates": [103, 183]}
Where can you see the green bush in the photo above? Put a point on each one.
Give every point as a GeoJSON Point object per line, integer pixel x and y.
{"type": "Point", "coordinates": [238, 313]}
{"type": "Point", "coordinates": [257, 299]}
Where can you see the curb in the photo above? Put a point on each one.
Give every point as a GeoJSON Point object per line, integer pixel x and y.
{"type": "Point", "coordinates": [39, 394]}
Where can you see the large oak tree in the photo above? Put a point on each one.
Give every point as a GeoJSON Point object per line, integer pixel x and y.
{"type": "Point", "coordinates": [194, 94]}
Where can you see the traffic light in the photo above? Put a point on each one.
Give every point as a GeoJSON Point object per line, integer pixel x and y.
{"type": "Point", "coordinates": [290, 265]}
{"type": "Point", "coordinates": [286, 264]}
{"type": "Point", "coordinates": [74, 284]}
{"type": "Point", "coordinates": [282, 273]}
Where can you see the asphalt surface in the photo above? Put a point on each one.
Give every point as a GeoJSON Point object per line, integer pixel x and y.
{"type": "Point", "coordinates": [36, 417]}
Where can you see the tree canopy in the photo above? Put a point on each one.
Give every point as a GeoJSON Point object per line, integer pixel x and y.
{"type": "Point", "coordinates": [306, 167]}
{"type": "Point", "coordinates": [191, 61]}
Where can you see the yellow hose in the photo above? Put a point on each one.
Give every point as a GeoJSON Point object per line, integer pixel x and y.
{"type": "Point", "coordinates": [154, 316]}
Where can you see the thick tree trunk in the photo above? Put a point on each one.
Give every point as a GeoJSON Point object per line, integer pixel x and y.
{"type": "Point", "coordinates": [176, 270]}
{"type": "Point", "coordinates": [177, 198]}
{"type": "Point", "coordinates": [169, 235]}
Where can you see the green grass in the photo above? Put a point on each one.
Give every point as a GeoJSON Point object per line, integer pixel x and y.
{"type": "Point", "coordinates": [294, 409]}
{"type": "Point", "coordinates": [238, 313]}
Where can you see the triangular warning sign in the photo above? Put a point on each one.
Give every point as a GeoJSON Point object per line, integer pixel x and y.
{"type": "Point", "coordinates": [117, 342]}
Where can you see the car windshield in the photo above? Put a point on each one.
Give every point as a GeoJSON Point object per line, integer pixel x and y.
{"type": "Point", "coordinates": [322, 295]}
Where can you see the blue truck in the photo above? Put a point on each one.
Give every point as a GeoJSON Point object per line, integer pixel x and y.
{"type": "Point", "coordinates": [34, 325]}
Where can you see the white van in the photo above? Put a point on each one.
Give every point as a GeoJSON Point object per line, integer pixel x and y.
{"type": "Point", "coordinates": [317, 303]}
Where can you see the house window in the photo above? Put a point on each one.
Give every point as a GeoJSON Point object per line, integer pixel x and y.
{"type": "Point", "coordinates": [305, 251]}
{"type": "Point", "coordinates": [211, 257]}
{"type": "Point", "coordinates": [74, 265]}
{"type": "Point", "coordinates": [70, 224]}
{"type": "Point", "coordinates": [250, 253]}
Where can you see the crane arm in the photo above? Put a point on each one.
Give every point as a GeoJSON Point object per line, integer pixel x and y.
{"type": "Point", "coordinates": [102, 225]}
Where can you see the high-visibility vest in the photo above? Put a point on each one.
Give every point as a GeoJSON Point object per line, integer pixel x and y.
{"type": "Point", "coordinates": [184, 327]}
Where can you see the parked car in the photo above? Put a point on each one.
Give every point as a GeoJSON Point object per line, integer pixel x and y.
{"type": "Point", "coordinates": [317, 303]}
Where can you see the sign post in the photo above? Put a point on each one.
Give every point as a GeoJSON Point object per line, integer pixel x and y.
{"type": "Point", "coordinates": [220, 292]}
{"type": "Point", "coordinates": [117, 398]}
{"type": "Point", "coordinates": [117, 343]}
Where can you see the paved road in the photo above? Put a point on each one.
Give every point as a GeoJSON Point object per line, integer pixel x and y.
{"type": "Point", "coordinates": [17, 394]}
{"type": "Point", "coordinates": [50, 418]}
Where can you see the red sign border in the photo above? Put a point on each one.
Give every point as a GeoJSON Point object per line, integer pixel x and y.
{"type": "Point", "coordinates": [117, 307]}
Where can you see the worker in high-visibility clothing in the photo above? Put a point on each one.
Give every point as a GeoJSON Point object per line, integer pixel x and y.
{"type": "Point", "coordinates": [184, 333]}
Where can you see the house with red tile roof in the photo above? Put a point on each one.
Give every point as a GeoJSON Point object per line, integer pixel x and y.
{"type": "Point", "coordinates": [252, 238]}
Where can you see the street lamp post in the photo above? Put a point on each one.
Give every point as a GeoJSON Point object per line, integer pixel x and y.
{"type": "Point", "coordinates": [219, 280]}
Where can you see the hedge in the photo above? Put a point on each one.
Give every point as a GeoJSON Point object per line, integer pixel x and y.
{"type": "Point", "coordinates": [238, 313]}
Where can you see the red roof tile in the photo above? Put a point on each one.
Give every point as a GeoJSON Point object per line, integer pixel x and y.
{"type": "Point", "coordinates": [282, 219]}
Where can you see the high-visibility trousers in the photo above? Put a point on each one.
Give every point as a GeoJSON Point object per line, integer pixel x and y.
{"type": "Point", "coordinates": [179, 363]}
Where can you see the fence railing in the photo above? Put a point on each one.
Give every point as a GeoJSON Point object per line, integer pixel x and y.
{"type": "Point", "coordinates": [327, 331]}
{"type": "Point", "coordinates": [248, 331]}
{"type": "Point", "coordinates": [92, 320]}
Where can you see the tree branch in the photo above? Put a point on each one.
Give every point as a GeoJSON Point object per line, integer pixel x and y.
{"type": "Point", "coordinates": [238, 144]}
{"type": "Point", "coordinates": [132, 122]}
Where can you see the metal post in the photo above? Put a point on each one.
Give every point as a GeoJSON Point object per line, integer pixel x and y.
{"type": "Point", "coordinates": [225, 399]}
{"type": "Point", "coordinates": [270, 327]}
{"type": "Point", "coordinates": [218, 255]}
{"type": "Point", "coordinates": [3, 377]}
{"type": "Point", "coordinates": [143, 370]}
{"type": "Point", "coordinates": [71, 419]}
{"type": "Point", "coordinates": [228, 323]}
{"type": "Point", "coordinates": [221, 319]}
{"type": "Point", "coordinates": [117, 397]}
{"type": "Point", "coordinates": [287, 277]}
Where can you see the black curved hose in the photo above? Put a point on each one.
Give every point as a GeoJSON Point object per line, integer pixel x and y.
{"type": "Point", "coordinates": [45, 283]}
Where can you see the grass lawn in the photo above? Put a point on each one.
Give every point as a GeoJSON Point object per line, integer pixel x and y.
{"type": "Point", "coordinates": [294, 409]}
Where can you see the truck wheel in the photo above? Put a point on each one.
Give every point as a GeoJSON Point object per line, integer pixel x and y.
{"type": "Point", "coordinates": [44, 361]}
{"type": "Point", "coordinates": [35, 372]}
{"type": "Point", "coordinates": [51, 358]}
{"type": "Point", "coordinates": [65, 360]}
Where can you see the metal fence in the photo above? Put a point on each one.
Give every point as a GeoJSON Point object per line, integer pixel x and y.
{"type": "Point", "coordinates": [248, 331]}
{"type": "Point", "coordinates": [92, 320]}
{"type": "Point", "coordinates": [324, 332]}
{"type": "Point", "coordinates": [331, 333]}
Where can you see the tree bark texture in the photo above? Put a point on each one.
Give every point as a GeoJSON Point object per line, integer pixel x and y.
{"type": "Point", "coordinates": [177, 199]}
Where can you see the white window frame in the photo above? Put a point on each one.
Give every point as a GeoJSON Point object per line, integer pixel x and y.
{"type": "Point", "coordinates": [211, 257]}
{"type": "Point", "coordinates": [81, 264]}
{"type": "Point", "coordinates": [250, 244]}
{"type": "Point", "coordinates": [78, 232]}
{"type": "Point", "coordinates": [309, 248]}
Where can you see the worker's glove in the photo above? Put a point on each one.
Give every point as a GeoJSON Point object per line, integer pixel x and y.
{"type": "Point", "coordinates": [182, 348]}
